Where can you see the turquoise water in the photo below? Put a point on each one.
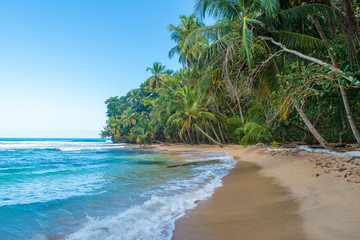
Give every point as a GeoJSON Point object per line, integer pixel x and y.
{"type": "Point", "coordinates": [92, 189]}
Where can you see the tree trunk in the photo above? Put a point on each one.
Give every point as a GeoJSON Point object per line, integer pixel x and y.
{"type": "Point", "coordinates": [217, 137]}
{"type": "Point", "coordinates": [350, 16]}
{"type": "Point", "coordinates": [202, 138]}
{"type": "Point", "coordinates": [190, 139]}
{"type": "Point", "coordinates": [333, 25]}
{"type": "Point", "coordinates": [225, 134]}
{"type": "Point", "coordinates": [349, 116]}
{"type": "Point", "coordinates": [211, 139]}
{"type": "Point", "coordinates": [230, 108]}
{"type": "Point", "coordinates": [230, 87]}
{"type": "Point", "coordinates": [311, 127]}
{"type": "Point", "coordinates": [342, 89]}
{"type": "Point", "coordinates": [182, 139]}
{"type": "Point", "coordinates": [196, 134]}
{"type": "Point", "coordinates": [166, 86]}
{"type": "Point", "coordinates": [219, 124]}
{"type": "Point", "coordinates": [207, 132]}
{"type": "Point", "coordinates": [343, 131]}
{"type": "Point", "coordinates": [319, 28]}
{"type": "Point", "coordinates": [221, 132]}
{"type": "Point", "coordinates": [350, 28]}
{"type": "Point", "coordinates": [312, 59]}
{"type": "Point", "coordinates": [186, 139]}
{"type": "Point", "coordinates": [240, 109]}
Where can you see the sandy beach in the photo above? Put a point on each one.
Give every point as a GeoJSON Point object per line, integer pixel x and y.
{"type": "Point", "coordinates": [277, 195]}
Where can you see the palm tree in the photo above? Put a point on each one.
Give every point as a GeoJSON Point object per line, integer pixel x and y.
{"type": "Point", "coordinates": [237, 32]}
{"type": "Point", "coordinates": [113, 128]}
{"type": "Point", "coordinates": [142, 132]}
{"type": "Point", "coordinates": [133, 97]}
{"type": "Point", "coordinates": [311, 127]}
{"type": "Point", "coordinates": [248, 27]}
{"type": "Point", "coordinates": [189, 113]}
{"type": "Point", "coordinates": [233, 83]}
{"type": "Point", "coordinates": [243, 23]}
{"type": "Point", "coordinates": [129, 117]}
{"type": "Point", "coordinates": [187, 53]}
{"type": "Point", "coordinates": [342, 88]}
{"type": "Point", "coordinates": [156, 79]}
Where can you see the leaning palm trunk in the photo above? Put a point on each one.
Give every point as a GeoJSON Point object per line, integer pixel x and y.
{"type": "Point", "coordinates": [197, 138]}
{"type": "Point", "coordinates": [312, 59]}
{"type": "Point", "coordinates": [190, 139]}
{"type": "Point", "coordinates": [342, 89]}
{"type": "Point", "coordinates": [221, 133]}
{"type": "Point", "coordinates": [240, 109]}
{"type": "Point", "coordinates": [207, 135]}
{"type": "Point", "coordinates": [311, 127]}
{"type": "Point", "coordinates": [230, 108]}
{"type": "Point", "coordinates": [207, 132]}
{"type": "Point", "coordinates": [186, 139]}
{"type": "Point", "coordinates": [349, 115]}
{"type": "Point", "coordinates": [213, 129]}
{"type": "Point", "coordinates": [231, 88]}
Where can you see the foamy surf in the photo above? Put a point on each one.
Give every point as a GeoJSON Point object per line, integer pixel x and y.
{"type": "Point", "coordinates": [155, 218]}
{"type": "Point", "coordinates": [57, 145]}
{"type": "Point", "coordinates": [96, 190]}
{"type": "Point", "coordinates": [319, 150]}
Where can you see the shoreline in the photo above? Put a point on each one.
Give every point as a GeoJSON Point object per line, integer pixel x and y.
{"type": "Point", "coordinates": [322, 185]}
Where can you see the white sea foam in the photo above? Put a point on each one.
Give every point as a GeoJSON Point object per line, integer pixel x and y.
{"type": "Point", "coordinates": [38, 190]}
{"type": "Point", "coordinates": [279, 149]}
{"type": "Point", "coordinates": [67, 149]}
{"type": "Point", "coordinates": [319, 150]}
{"type": "Point", "coordinates": [155, 218]}
{"type": "Point", "coordinates": [57, 145]}
{"type": "Point", "coordinates": [56, 179]}
{"type": "Point", "coordinates": [220, 158]}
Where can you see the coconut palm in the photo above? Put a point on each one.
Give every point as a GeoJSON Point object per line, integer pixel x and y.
{"type": "Point", "coordinates": [187, 53]}
{"type": "Point", "coordinates": [334, 62]}
{"type": "Point", "coordinates": [242, 23]}
{"type": "Point", "coordinates": [129, 117]}
{"type": "Point", "coordinates": [155, 80]}
{"type": "Point", "coordinates": [248, 26]}
{"type": "Point", "coordinates": [190, 113]}
{"type": "Point", "coordinates": [141, 132]}
{"type": "Point", "coordinates": [234, 82]}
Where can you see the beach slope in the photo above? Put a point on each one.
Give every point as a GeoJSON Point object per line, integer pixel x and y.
{"type": "Point", "coordinates": [277, 195]}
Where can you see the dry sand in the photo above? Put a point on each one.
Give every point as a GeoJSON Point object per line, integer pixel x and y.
{"type": "Point", "coordinates": [277, 195]}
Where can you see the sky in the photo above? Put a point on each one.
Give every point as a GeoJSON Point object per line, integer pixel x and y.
{"type": "Point", "coordinates": [60, 60]}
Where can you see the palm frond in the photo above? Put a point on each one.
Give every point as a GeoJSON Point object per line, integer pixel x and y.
{"type": "Point", "coordinates": [295, 14]}
{"type": "Point", "coordinates": [247, 42]}
{"type": "Point", "coordinates": [209, 32]}
{"type": "Point", "coordinates": [219, 8]}
{"type": "Point", "coordinates": [299, 41]}
{"type": "Point", "coordinates": [270, 6]}
{"type": "Point", "coordinates": [254, 132]}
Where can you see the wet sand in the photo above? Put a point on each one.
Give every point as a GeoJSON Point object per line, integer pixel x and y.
{"type": "Point", "coordinates": [255, 207]}
{"type": "Point", "coordinates": [275, 195]}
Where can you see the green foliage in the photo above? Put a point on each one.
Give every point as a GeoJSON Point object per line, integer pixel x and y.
{"type": "Point", "coordinates": [299, 41]}
{"type": "Point", "coordinates": [237, 86]}
{"type": "Point", "coordinates": [254, 133]}
{"type": "Point", "coordinates": [298, 13]}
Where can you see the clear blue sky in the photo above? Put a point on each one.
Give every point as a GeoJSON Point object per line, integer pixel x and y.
{"type": "Point", "coordinates": [61, 59]}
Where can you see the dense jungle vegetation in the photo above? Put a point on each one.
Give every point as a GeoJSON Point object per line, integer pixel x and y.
{"type": "Point", "coordinates": [268, 70]}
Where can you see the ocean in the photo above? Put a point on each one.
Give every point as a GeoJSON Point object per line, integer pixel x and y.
{"type": "Point", "coordinates": [92, 189]}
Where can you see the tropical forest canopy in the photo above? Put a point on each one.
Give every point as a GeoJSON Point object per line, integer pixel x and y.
{"type": "Point", "coordinates": [268, 70]}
